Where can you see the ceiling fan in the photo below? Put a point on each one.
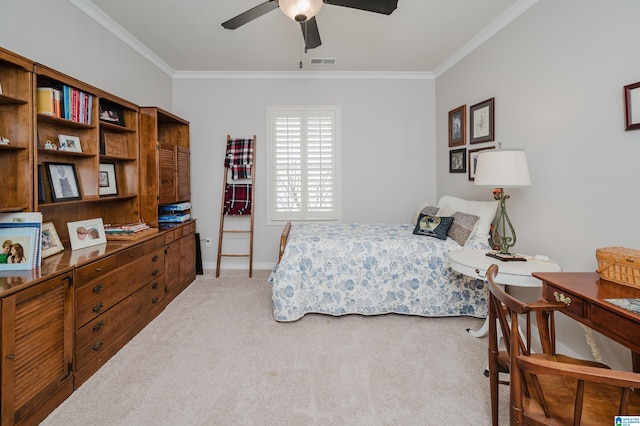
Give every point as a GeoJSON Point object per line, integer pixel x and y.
{"type": "Point", "coordinates": [304, 12]}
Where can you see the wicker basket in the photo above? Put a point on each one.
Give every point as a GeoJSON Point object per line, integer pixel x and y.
{"type": "Point", "coordinates": [620, 265]}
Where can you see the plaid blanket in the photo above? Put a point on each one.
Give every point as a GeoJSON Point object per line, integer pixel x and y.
{"type": "Point", "coordinates": [237, 199]}
{"type": "Point", "coordinates": [239, 158]}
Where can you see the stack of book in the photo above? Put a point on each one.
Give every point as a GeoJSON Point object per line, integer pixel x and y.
{"type": "Point", "coordinates": [174, 213]}
{"type": "Point", "coordinates": [65, 102]}
{"type": "Point", "coordinates": [129, 228]}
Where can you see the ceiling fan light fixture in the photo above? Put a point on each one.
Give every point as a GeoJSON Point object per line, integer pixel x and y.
{"type": "Point", "coordinates": [300, 10]}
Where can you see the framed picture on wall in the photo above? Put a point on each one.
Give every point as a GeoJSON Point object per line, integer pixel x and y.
{"type": "Point", "coordinates": [458, 160]}
{"type": "Point", "coordinates": [632, 106]}
{"type": "Point", "coordinates": [481, 121]}
{"type": "Point", "coordinates": [457, 126]}
{"type": "Point", "coordinates": [473, 161]}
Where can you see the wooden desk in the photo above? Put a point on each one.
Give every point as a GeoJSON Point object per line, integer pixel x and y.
{"type": "Point", "coordinates": [583, 293]}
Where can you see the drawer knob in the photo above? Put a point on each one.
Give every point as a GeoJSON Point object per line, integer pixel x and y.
{"type": "Point", "coordinates": [98, 307]}
{"type": "Point", "coordinates": [562, 298]}
{"type": "Point", "coordinates": [98, 269]}
{"type": "Point", "coordinates": [98, 326]}
{"type": "Point", "coordinates": [155, 272]}
{"type": "Point", "coordinates": [155, 258]}
{"type": "Point", "coordinates": [98, 345]}
{"type": "Point", "coordinates": [98, 288]}
{"type": "Point", "coordinates": [154, 285]}
{"type": "Point", "coordinates": [155, 300]}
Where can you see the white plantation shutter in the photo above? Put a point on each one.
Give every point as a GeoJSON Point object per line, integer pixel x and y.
{"type": "Point", "coordinates": [304, 164]}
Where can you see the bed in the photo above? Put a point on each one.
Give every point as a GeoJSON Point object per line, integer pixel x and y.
{"type": "Point", "coordinates": [373, 269]}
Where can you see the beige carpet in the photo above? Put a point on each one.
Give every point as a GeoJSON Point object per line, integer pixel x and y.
{"type": "Point", "coordinates": [216, 356]}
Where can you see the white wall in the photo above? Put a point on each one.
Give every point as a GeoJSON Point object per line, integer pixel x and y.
{"type": "Point", "coordinates": [388, 137]}
{"type": "Point", "coordinates": [557, 74]}
{"type": "Point", "coordinates": [57, 34]}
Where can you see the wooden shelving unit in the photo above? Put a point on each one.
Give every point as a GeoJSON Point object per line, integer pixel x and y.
{"type": "Point", "coordinates": [16, 125]}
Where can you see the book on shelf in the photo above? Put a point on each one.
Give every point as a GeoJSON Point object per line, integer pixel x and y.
{"type": "Point", "coordinates": [129, 228]}
{"type": "Point", "coordinates": [65, 102]}
{"type": "Point", "coordinates": [176, 218]}
{"type": "Point", "coordinates": [177, 207]}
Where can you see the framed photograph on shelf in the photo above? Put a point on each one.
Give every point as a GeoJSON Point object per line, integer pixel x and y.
{"type": "Point", "coordinates": [111, 114]}
{"type": "Point", "coordinates": [64, 181]}
{"type": "Point", "coordinates": [458, 160]}
{"type": "Point", "coordinates": [481, 122]}
{"type": "Point", "coordinates": [107, 179]}
{"type": "Point", "coordinates": [632, 106]}
{"type": "Point", "coordinates": [457, 123]}
{"type": "Point", "coordinates": [50, 241]}
{"type": "Point", "coordinates": [69, 143]}
{"type": "Point", "coordinates": [473, 161]}
{"type": "Point", "coordinates": [20, 249]}
{"type": "Point", "coordinates": [86, 233]}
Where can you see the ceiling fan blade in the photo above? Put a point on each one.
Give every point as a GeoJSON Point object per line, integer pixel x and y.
{"type": "Point", "coordinates": [250, 15]}
{"type": "Point", "coordinates": [377, 6]}
{"type": "Point", "coordinates": [310, 33]}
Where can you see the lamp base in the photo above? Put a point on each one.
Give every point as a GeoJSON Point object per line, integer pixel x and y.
{"type": "Point", "coordinates": [506, 257]}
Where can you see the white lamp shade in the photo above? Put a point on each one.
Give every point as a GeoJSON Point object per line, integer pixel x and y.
{"type": "Point", "coordinates": [300, 10]}
{"type": "Point", "coordinates": [503, 168]}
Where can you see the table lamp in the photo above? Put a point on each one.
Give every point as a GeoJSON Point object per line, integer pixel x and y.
{"type": "Point", "coordinates": [499, 169]}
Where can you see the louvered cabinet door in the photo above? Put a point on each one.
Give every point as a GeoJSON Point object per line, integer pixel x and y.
{"type": "Point", "coordinates": [37, 337]}
{"type": "Point", "coordinates": [183, 174]}
{"type": "Point", "coordinates": [167, 188]}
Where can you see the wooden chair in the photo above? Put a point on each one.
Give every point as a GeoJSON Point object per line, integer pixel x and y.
{"type": "Point", "coordinates": [504, 310]}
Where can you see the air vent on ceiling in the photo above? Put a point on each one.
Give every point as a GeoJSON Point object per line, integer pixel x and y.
{"type": "Point", "coordinates": [322, 61]}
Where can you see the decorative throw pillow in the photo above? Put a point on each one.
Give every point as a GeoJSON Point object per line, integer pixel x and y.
{"type": "Point", "coordinates": [426, 208]}
{"type": "Point", "coordinates": [463, 226]}
{"type": "Point", "coordinates": [433, 226]}
{"type": "Point", "coordinates": [486, 210]}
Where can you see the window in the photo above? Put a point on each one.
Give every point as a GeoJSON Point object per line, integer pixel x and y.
{"type": "Point", "coordinates": [303, 145]}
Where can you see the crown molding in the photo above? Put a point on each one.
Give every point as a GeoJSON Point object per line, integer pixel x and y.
{"type": "Point", "coordinates": [489, 31]}
{"type": "Point", "coordinates": [112, 26]}
{"type": "Point", "coordinates": [311, 75]}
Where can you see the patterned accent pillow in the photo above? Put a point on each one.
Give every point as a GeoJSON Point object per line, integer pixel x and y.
{"type": "Point", "coordinates": [463, 227]}
{"type": "Point", "coordinates": [433, 226]}
{"type": "Point", "coordinates": [426, 208]}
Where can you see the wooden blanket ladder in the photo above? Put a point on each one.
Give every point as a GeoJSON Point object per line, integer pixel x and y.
{"type": "Point", "coordinates": [238, 197]}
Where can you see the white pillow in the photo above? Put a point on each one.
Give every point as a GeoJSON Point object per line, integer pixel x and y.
{"type": "Point", "coordinates": [486, 210]}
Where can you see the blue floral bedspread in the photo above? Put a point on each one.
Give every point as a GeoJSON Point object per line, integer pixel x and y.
{"type": "Point", "coordinates": [371, 269]}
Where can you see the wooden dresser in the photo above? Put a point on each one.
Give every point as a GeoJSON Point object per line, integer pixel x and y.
{"type": "Point", "coordinates": [64, 321]}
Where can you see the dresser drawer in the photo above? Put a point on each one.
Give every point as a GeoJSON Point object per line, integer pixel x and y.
{"type": "Point", "coordinates": [87, 273]}
{"type": "Point", "coordinates": [96, 335]}
{"type": "Point", "coordinates": [574, 305]}
{"type": "Point", "coordinates": [99, 295]}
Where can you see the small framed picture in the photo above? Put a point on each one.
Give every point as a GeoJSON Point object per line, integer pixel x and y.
{"type": "Point", "coordinates": [482, 121]}
{"type": "Point", "coordinates": [458, 160]}
{"type": "Point", "coordinates": [19, 246]}
{"type": "Point", "coordinates": [107, 179]}
{"type": "Point", "coordinates": [64, 181]}
{"type": "Point", "coordinates": [473, 161]}
{"type": "Point", "coordinates": [457, 126]}
{"type": "Point", "coordinates": [632, 106]}
{"type": "Point", "coordinates": [50, 241]}
{"type": "Point", "coordinates": [69, 143]}
{"type": "Point", "coordinates": [111, 114]}
{"type": "Point", "coordinates": [86, 233]}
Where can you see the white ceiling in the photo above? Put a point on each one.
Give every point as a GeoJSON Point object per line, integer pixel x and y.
{"type": "Point", "coordinates": [420, 36]}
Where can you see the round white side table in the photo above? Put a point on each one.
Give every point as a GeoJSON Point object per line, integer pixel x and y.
{"type": "Point", "coordinates": [474, 264]}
